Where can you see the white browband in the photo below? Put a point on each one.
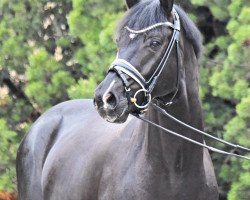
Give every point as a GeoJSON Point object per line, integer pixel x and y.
{"type": "Point", "coordinates": [169, 24]}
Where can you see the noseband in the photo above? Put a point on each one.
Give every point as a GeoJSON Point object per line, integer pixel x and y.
{"type": "Point", "coordinates": [123, 67]}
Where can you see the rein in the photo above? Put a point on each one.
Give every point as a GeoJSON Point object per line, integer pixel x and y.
{"type": "Point", "coordinates": [193, 141]}
{"type": "Point", "coordinates": [165, 113]}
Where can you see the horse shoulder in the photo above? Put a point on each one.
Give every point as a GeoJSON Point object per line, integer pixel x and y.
{"type": "Point", "coordinates": [44, 131]}
{"type": "Point", "coordinates": [36, 145]}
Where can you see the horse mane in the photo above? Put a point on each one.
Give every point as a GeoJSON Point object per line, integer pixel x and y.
{"type": "Point", "coordinates": [148, 12]}
{"type": "Point", "coordinates": [191, 31]}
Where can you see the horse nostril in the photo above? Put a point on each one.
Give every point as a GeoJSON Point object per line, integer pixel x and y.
{"type": "Point", "coordinates": [109, 100]}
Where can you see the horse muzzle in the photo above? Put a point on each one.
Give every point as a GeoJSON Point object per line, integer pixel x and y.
{"type": "Point", "coordinates": [110, 100]}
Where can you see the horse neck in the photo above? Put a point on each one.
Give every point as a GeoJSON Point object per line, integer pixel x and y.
{"type": "Point", "coordinates": [187, 108]}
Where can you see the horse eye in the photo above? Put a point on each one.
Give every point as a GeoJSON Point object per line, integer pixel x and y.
{"type": "Point", "coordinates": [155, 44]}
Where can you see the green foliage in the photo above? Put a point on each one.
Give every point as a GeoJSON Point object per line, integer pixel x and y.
{"type": "Point", "coordinates": [216, 7]}
{"type": "Point", "coordinates": [83, 89]}
{"type": "Point", "coordinates": [240, 189]}
{"type": "Point", "coordinates": [9, 144]}
{"type": "Point", "coordinates": [238, 129]}
{"type": "Point", "coordinates": [217, 81]}
{"type": "Point", "coordinates": [95, 30]}
{"type": "Point", "coordinates": [46, 78]}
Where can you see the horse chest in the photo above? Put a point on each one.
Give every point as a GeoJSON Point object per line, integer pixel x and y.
{"type": "Point", "coordinates": [127, 182]}
{"type": "Point", "coordinates": [136, 178]}
{"type": "Point", "coordinates": [117, 169]}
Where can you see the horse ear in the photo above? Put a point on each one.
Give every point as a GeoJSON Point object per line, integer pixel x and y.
{"type": "Point", "coordinates": [167, 6]}
{"type": "Point", "coordinates": [131, 3]}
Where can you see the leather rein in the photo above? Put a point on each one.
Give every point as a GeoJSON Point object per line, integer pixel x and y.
{"type": "Point", "coordinates": [123, 69]}
{"type": "Point", "coordinates": [210, 148]}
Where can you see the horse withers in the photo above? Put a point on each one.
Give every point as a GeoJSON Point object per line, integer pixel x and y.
{"type": "Point", "coordinates": [73, 152]}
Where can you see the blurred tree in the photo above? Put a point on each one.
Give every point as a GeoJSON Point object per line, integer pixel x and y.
{"type": "Point", "coordinates": [9, 144]}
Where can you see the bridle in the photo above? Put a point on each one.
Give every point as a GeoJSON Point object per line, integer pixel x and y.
{"type": "Point", "coordinates": [122, 68]}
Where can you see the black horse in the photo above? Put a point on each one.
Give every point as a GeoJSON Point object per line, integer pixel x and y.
{"type": "Point", "coordinates": [72, 153]}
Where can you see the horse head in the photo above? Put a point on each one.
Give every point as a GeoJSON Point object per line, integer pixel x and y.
{"type": "Point", "coordinates": [147, 60]}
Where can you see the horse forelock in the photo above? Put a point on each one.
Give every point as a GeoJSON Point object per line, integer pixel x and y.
{"type": "Point", "coordinates": [148, 12]}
